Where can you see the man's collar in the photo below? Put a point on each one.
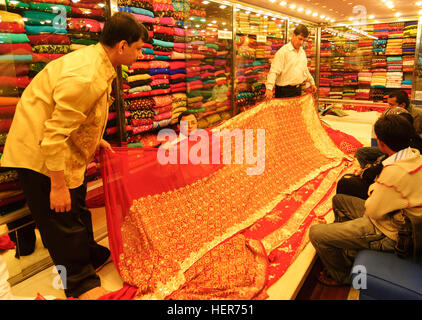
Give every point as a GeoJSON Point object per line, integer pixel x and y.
{"type": "Point", "coordinates": [108, 69]}
{"type": "Point", "coordinates": [291, 48]}
{"type": "Point", "coordinates": [399, 155]}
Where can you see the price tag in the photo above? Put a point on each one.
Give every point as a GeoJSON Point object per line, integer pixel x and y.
{"type": "Point", "coordinates": [223, 34]}
{"type": "Point", "coordinates": [260, 38]}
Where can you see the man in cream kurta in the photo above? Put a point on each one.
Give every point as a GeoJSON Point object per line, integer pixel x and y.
{"type": "Point", "coordinates": [57, 127]}
{"type": "Point", "coordinates": [289, 68]}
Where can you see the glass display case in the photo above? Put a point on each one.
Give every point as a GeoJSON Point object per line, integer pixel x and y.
{"type": "Point", "coordinates": [416, 98]}
{"type": "Point", "coordinates": [187, 66]}
{"type": "Point", "coordinates": [258, 37]}
{"type": "Point", "coordinates": [367, 62]}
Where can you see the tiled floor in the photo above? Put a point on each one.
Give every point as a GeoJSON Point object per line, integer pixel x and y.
{"type": "Point", "coordinates": [356, 124]}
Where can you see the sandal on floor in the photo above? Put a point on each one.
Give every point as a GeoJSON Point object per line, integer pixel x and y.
{"type": "Point", "coordinates": [325, 278]}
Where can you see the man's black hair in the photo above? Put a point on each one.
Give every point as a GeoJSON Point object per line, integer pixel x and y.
{"type": "Point", "coordinates": [185, 114]}
{"type": "Point", "coordinates": [301, 30]}
{"type": "Point", "coordinates": [123, 26]}
{"type": "Point", "coordinates": [401, 97]}
{"type": "Point", "coordinates": [395, 130]}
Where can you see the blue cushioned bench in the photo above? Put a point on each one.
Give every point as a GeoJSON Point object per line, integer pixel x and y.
{"type": "Point", "coordinates": [388, 276]}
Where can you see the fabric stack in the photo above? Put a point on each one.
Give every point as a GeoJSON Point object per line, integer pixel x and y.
{"type": "Point", "coordinates": [394, 47]}
{"type": "Point", "coordinates": [350, 47]}
{"type": "Point", "coordinates": [365, 78]}
{"type": "Point", "coordinates": [349, 93]}
{"type": "Point", "coordinates": [410, 29]}
{"type": "Point", "coordinates": [395, 30]}
{"type": "Point", "coordinates": [242, 20]}
{"type": "Point", "coordinates": [394, 79]}
{"type": "Point", "coordinates": [381, 31]}
{"type": "Point", "coordinates": [15, 54]}
{"type": "Point", "coordinates": [325, 64]}
{"type": "Point", "coordinates": [365, 53]}
{"type": "Point", "coordinates": [310, 55]}
{"type": "Point", "coordinates": [395, 64]}
{"type": "Point", "coordinates": [326, 48]}
{"type": "Point", "coordinates": [337, 63]}
{"type": "Point", "coordinates": [351, 79]}
{"type": "Point", "coordinates": [406, 84]}
{"type": "Point", "coordinates": [336, 93]}
{"type": "Point", "coordinates": [158, 72]}
{"type": "Point", "coordinates": [379, 64]}
{"type": "Point", "coordinates": [339, 47]}
{"type": "Point", "coordinates": [352, 63]}
{"type": "Point", "coordinates": [379, 79]}
{"type": "Point", "coordinates": [377, 94]}
{"type": "Point", "coordinates": [379, 47]}
{"type": "Point", "coordinates": [363, 94]}
{"type": "Point", "coordinates": [337, 79]}
{"type": "Point", "coordinates": [178, 106]}
{"type": "Point", "coordinates": [324, 92]}
{"type": "Point", "coordinates": [409, 46]}
{"type": "Point", "coordinates": [325, 79]}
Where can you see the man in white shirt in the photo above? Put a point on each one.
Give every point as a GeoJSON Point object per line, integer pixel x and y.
{"type": "Point", "coordinates": [289, 69]}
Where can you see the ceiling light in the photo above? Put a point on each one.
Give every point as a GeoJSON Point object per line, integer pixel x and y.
{"type": "Point", "coordinates": [292, 6]}
{"type": "Point", "coordinates": [397, 14]}
{"type": "Point", "coordinates": [283, 3]}
{"type": "Point", "coordinates": [223, 6]}
{"type": "Point", "coordinates": [272, 1]}
{"type": "Point", "coordinates": [420, 12]}
{"type": "Point", "coordinates": [419, 3]}
{"type": "Point", "coordinates": [327, 18]}
{"type": "Point", "coordinates": [205, 2]}
{"type": "Point", "coordinates": [322, 16]}
{"type": "Point", "coordinates": [315, 14]}
{"type": "Point", "coordinates": [371, 16]}
{"type": "Point", "coordinates": [308, 12]}
{"type": "Point", "coordinates": [351, 19]}
{"type": "Point", "coordinates": [300, 9]}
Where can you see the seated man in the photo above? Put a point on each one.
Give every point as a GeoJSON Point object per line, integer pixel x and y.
{"type": "Point", "coordinates": [374, 223]}
{"type": "Point", "coordinates": [396, 100]}
{"type": "Point", "coordinates": [357, 185]}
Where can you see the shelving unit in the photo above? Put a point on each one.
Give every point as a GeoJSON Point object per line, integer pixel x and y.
{"type": "Point", "coordinates": [369, 62]}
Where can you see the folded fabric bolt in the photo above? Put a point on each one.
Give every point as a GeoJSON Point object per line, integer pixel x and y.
{"type": "Point", "coordinates": [44, 29]}
{"type": "Point", "coordinates": [136, 10]}
{"type": "Point", "coordinates": [11, 27]}
{"type": "Point", "coordinates": [166, 21]}
{"type": "Point", "coordinates": [15, 48]}
{"type": "Point", "coordinates": [161, 101]}
{"type": "Point", "coordinates": [84, 24]}
{"type": "Point", "coordinates": [162, 43]}
{"type": "Point", "coordinates": [13, 38]}
{"type": "Point", "coordinates": [11, 17]}
{"type": "Point", "coordinates": [141, 122]}
{"type": "Point", "coordinates": [144, 18]}
{"type": "Point", "coordinates": [21, 58]}
{"type": "Point", "coordinates": [140, 89]}
{"type": "Point", "coordinates": [49, 39]}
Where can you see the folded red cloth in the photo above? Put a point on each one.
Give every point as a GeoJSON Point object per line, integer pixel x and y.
{"type": "Point", "coordinates": [15, 48]}
{"type": "Point", "coordinates": [48, 39]}
{"type": "Point", "coordinates": [11, 27]}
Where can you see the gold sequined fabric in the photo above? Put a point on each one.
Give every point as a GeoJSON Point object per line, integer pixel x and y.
{"type": "Point", "coordinates": [163, 235]}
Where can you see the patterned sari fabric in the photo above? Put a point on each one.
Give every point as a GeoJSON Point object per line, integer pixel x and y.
{"type": "Point", "coordinates": [206, 231]}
